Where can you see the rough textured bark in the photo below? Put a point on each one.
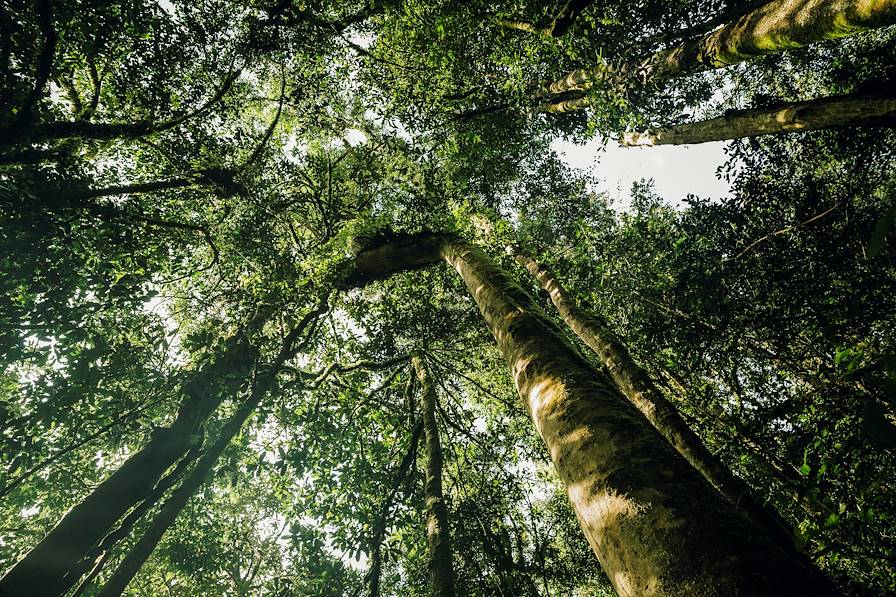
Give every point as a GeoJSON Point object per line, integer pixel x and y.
{"type": "Point", "coordinates": [774, 27]}
{"type": "Point", "coordinates": [639, 388]}
{"type": "Point", "coordinates": [654, 523]}
{"type": "Point", "coordinates": [42, 568]}
{"type": "Point", "coordinates": [788, 118]}
{"type": "Point", "coordinates": [379, 256]}
{"type": "Point", "coordinates": [441, 569]}
{"type": "Point", "coordinates": [175, 503]}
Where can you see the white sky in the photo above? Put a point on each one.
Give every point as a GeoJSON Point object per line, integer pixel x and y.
{"type": "Point", "coordinates": [675, 169]}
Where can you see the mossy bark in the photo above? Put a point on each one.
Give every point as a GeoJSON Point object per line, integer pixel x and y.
{"type": "Point", "coordinates": [635, 383]}
{"type": "Point", "coordinates": [774, 27]}
{"type": "Point", "coordinates": [793, 117]}
{"type": "Point", "coordinates": [43, 568]}
{"type": "Point", "coordinates": [558, 25]}
{"type": "Point", "coordinates": [441, 569]}
{"type": "Point", "coordinates": [655, 524]}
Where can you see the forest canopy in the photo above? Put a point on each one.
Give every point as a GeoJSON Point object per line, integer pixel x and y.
{"type": "Point", "coordinates": [299, 298]}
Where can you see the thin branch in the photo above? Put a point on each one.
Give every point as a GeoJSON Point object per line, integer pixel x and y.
{"type": "Point", "coordinates": [270, 130]}
{"type": "Point", "coordinates": [781, 232]}
{"type": "Point", "coordinates": [76, 445]}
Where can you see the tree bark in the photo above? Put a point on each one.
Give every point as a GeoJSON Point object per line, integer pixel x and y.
{"type": "Point", "coordinates": [654, 523]}
{"type": "Point", "coordinates": [93, 564]}
{"type": "Point", "coordinates": [636, 385]}
{"type": "Point", "coordinates": [774, 27]}
{"type": "Point", "coordinates": [45, 565]}
{"type": "Point", "coordinates": [793, 117]}
{"type": "Point", "coordinates": [441, 569]}
{"type": "Point", "coordinates": [43, 568]}
{"type": "Point", "coordinates": [178, 499]}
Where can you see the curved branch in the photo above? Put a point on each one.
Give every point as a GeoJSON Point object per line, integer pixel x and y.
{"type": "Point", "coordinates": [372, 578]}
{"type": "Point", "coordinates": [98, 131]}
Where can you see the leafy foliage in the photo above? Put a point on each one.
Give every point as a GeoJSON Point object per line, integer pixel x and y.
{"type": "Point", "coordinates": [170, 172]}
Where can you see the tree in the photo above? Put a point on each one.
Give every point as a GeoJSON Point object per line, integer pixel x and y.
{"type": "Point", "coordinates": [637, 386]}
{"type": "Point", "coordinates": [181, 180]}
{"type": "Point", "coordinates": [773, 27]}
{"type": "Point", "coordinates": [793, 117]}
{"type": "Point", "coordinates": [589, 429]}
{"type": "Point", "coordinates": [437, 530]}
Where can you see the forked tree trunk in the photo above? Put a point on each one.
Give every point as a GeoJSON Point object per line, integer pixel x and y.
{"type": "Point", "coordinates": [657, 527]}
{"type": "Point", "coordinates": [178, 499]}
{"type": "Point", "coordinates": [41, 572]}
{"type": "Point", "coordinates": [441, 569]}
{"type": "Point", "coordinates": [777, 26]}
{"type": "Point", "coordinates": [43, 569]}
{"type": "Point", "coordinates": [638, 387]}
{"type": "Point", "coordinates": [96, 560]}
{"type": "Point", "coordinates": [788, 118]}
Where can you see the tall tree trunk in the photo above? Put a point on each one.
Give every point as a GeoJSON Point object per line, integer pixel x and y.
{"type": "Point", "coordinates": [636, 385]}
{"type": "Point", "coordinates": [657, 527]}
{"type": "Point", "coordinates": [178, 499]}
{"type": "Point", "coordinates": [88, 522]}
{"type": "Point", "coordinates": [787, 118]}
{"type": "Point", "coordinates": [93, 564]}
{"type": "Point", "coordinates": [42, 569]}
{"type": "Point", "coordinates": [441, 569]}
{"type": "Point", "coordinates": [774, 27]}
{"type": "Point", "coordinates": [654, 523]}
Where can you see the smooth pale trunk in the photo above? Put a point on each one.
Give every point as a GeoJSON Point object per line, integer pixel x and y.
{"type": "Point", "coordinates": [775, 27]}
{"type": "Point", "coordinates": [441, 570]}
{"type": "Point", "coordinates": [789, 118]}
{"type": "Point", "coordinates": [657, 527]}
{"type": "Point", "coordinates": [638, 387]}
{"type": "Point", "coordinates": [41, 571]}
